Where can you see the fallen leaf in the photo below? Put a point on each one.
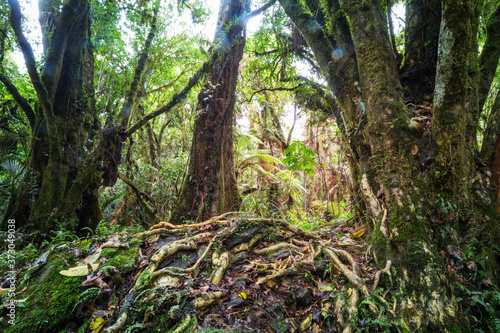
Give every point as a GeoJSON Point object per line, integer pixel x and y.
{"type": "Point", "coordinates": [97, 324]}
{"type": "Point", "coordinates": [93, 257]}
{"type": "Point", "coordinates": [414, 150]}
{"type": "Point", "coordinates": [79, 270]}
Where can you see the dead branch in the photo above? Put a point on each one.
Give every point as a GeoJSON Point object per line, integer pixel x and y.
{"type": "Point", "coordinates": [139, 191]}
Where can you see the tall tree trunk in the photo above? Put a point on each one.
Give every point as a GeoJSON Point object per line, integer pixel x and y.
{"type": "Point", "coordinates": [423, 20]}
{"type": "Point", "coordinates": [415, 183]}
{"type": "Point", "coordinates": [210, 185]}
{"type": "Point", "coordinates": [66, 119]}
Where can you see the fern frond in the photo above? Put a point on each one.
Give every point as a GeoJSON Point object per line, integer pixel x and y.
{"type": "Point", "coordinates": [13, 167]}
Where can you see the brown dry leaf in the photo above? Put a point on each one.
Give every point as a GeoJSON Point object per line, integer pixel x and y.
{"type": "Point", "coordinates": [414, 150]}
{"type": "Point", "coordinates": [471, 264]}
{"type": "Point", "coordinates": [95, 281]}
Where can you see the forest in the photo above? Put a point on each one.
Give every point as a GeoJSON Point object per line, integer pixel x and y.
{"type": "Point", "coordinates": [249, 166]}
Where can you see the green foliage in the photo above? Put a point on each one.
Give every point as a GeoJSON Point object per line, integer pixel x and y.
{"type": "Point", "coordinates": [86, 295]}
{"type": "Point", "coordinates": [300, 158]}
{"type": "Point", "coordinates": [380, 319]}
{"type": "Point", "coordinates": [14, 168]}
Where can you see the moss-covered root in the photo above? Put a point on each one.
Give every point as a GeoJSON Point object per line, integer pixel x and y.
{"type": "Point", "coordinates": [189, 325]}
{"type": "Point", "coordinates": [386, 270]}
{"type": "Point", "coordinates": [202, 302]}
{"type": "Point", "coordinates": [118, 324]}
{"type": "Point", "coordinates": [164, 252]}
{"type": "Point", "coordinates": [352, 311]}
{"type": "Point", "coordinates": [220, 264]}
{"type": "Point", "coordinates": [354, 279]}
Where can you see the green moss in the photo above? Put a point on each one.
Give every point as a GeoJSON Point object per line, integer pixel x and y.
{"type": "Point", "coordinates": [123, 259]}
{"type": "Point", "coordinates": [50, 299]}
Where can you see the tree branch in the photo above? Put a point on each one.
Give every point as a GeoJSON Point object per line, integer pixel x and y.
{"type": "Point", "coordinates": [488, 61]}
{"type": "Point", "coordinates": [128, 106]}
{"type": "Point", "coordinates": [491, 133]}
{"type": "Point", "coordinates": [23, 102]}
{"type": "Point", "coordinates": [391, 28]}
{"type": "Point", "coordinates": [247, 17]}
{"type": "Point", "coordinates": [29, 58]}
{"type": "Point", "coordinates": [53, 64]}
{"type": "Point", "coordinates": [273, 89]}
{"type": "Point", "coordinates": [176, 99]}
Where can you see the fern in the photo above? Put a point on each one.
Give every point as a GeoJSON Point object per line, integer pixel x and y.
{"type": "Point", "coordinates": [131, 328]}
{"type": "Point", "coordinates": [86, 295]}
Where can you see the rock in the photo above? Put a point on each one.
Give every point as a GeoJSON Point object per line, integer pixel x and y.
{"type": "Point", "coordinates": [240, 282]}
{"type": "Point", "coordinates": [303, 296]}
{"type": "Point", "coordinates": [237, 302]}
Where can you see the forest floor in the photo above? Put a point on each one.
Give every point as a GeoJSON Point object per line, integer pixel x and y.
{"type": "Point", "coordinates": [233, 273]}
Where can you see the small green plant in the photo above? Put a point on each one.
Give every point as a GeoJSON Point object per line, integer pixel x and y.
{"type": "Point", "coordinates": [87, 295]}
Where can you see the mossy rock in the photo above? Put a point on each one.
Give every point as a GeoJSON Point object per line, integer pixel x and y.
{"type": "Point", "coordinates": [52, 299]}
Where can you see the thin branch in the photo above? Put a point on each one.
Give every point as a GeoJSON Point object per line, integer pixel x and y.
{"type": "Point", "coordinates": [289, 139]}
{"type": "Point", "coordinates": [168, 85]}
{"type": "Point", "coordinates": [247, 17]}
{"type": "Point", "coordinates": [261, 54]}
{"type": "Point", "coordinates": [23, 102]}
{"type": "Point", "coordinates": [128, 106]}
{"type": "Point", "coordinates": [176, 99]}
{"type": "Point", "coordinates": [273, 89]}
{"type": "Point", "coordinates": [136, 189]}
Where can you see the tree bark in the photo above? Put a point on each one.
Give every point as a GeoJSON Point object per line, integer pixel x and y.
{"type": "Point", "coordinates": [65, 119]}
{"type": "Point", "coordinates": [488, 61]}
{"type": "Point", "coordinates": [423, 20]}
{"type": "Point", "coordinates": [210, 185]}
{"type": "Point", "coordinates": [409, 177]}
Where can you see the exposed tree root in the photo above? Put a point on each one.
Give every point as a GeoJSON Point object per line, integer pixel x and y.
{"type": "Point", "coordinates": [386, 270]}
{"type": "Point", "coordinates": [202, 302]}
{"type": "Point", "coordinates": [221, 242]}
{"type": "Point", "coordinates": [354, 279]}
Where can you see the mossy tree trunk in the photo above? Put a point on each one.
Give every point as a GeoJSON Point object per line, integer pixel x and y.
{"type": "Point", "coordinates": [66, 119]}
{"type": "Point", "coordinates": [422, 23]}
{"type": "Point", "coordinates": [210, 185]}
{"type": "Point", "coordinates": [420, 182]}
